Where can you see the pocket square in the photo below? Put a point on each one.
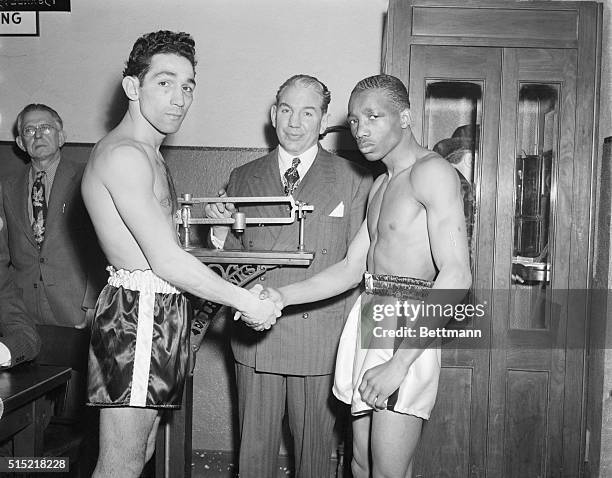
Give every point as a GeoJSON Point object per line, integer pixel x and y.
{"type": "Point", "coordinates": [338, 210]}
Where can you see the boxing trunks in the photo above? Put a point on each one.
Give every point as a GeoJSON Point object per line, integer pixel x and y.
{"type": "Point", "coordinates": [139, 349]}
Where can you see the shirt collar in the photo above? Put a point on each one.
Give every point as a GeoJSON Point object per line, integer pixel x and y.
{"type": "Point", "coordinates": [306, 159]}
{"type": "Point", "coordinates": [51, 167]}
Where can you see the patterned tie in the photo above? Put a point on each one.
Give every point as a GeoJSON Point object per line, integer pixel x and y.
{"type": "Point", "coordinates": [292, 177]}
{"type": "Point", "coordinates": [39, 207]}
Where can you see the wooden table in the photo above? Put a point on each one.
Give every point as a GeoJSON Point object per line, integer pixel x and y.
{"type": "Point", "coordinates": [22, 390]}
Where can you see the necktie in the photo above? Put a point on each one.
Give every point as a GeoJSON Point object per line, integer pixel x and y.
{"type": "Point", "coordinates": [39, 207]}
{"type": "Point", "coordinates": [292, 177]}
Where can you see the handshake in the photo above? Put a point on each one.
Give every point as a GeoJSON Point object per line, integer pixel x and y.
{"type": "Point", "coordinates": [266, 311]}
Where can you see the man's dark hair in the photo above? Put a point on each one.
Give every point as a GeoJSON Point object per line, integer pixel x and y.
{"type": "Point", "coordinates": [38, 107]}
{"type": "Point", "coordinates": [392, 86]}
{"type": "Point", "coordinates": [307, 81]}
{"type": "Point", "coordinates": [163, 41]}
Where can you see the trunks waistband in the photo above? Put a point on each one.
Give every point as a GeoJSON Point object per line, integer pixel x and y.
{"type": "Point", "coordinates": [397, 286]}
{"type": "Point", "coordinates": [140, 280]}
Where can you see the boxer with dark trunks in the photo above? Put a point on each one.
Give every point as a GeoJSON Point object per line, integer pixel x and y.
{"type": "Point", "coordinates": [139, 345]}
{"type": "Point", "coordinates": [413, 239]}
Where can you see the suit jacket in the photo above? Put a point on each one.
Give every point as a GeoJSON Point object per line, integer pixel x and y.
{"type": "Point", "coordinates": [70, 261]}
{"type": "Point", "coordinates": [17, 329]}
{"type": "Point", "coordinates": [304, 340]}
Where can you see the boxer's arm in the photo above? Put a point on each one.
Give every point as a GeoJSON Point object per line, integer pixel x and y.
{"type": "Point", "coordinates": [341, 276]}
{"type": "Point", "coordinates": [127, 174]}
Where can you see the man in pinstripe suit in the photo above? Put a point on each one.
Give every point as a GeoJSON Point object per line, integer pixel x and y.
{"type": "Point", "coordinates": [290, 366]}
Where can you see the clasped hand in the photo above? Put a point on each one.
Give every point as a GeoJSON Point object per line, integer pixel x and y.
{"type": "Point", "coordinates": [269, 309]}
{"type": "Point", "coordinates": [271, 306]}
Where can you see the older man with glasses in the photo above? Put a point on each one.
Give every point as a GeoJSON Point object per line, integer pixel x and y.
{"type": "Point", "coordinates": [53, 248]}
{"type": "Point", "coordinates": [49, 244]}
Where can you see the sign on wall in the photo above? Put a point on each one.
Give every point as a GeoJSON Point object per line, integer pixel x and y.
{"type": "Point", "coordinates": [35, 5]}
{"type": "Point", "coordinates": [16, 24]}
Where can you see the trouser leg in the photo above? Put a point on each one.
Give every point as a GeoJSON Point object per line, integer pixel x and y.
{"type": "Point", "coordinates": [261, 406]}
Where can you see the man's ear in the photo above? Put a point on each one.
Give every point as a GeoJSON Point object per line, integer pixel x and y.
{"type": "Point", "coordinates": [62, 137]}
{"type": "Point", "coordinates": [405, 118]}
{"type": "Point", "coordinates": [273, 115]}
{"type": "Point", "coordinates": [19, 142]}
{"type": "Point", "coordinates": [130, 85]}
{"type": "Point", "coordinates": [324, 123]}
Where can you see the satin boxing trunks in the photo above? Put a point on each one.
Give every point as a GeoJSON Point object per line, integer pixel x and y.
{"type": "Point", "coordinates": [417, 393]}
{"type": "Point", "coordinates": [139, 350]}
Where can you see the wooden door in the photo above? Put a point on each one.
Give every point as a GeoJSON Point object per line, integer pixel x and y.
{"type": "Point", "coordinates": [454, 95]}
{"type": "Point", "coordinates": [511, 406]}
{"type": "Point", "coordinates": [536, 378]}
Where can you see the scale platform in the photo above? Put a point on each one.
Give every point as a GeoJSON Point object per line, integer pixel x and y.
{"type": "Point", "coordinates": [236, 256]}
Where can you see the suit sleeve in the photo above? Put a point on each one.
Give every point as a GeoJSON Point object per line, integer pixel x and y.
{"type": "Point", "coordinates": [96, 273]}
{"type": "Point", "coordinates": [5, 257]}
{"type": "Point", "coordinates": [17, 328]}
{"type": "Point", "coordinates": [233, 241]}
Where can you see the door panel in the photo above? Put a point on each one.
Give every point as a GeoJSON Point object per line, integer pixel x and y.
{"type": "Point", "coordinates": [526, 423]}
{"type": "Point", "coordinates": [532, 266]}
{"type": "Point", "coordinates": [450, 419]}
{"type": "Point", "coordinates": [454, 94]}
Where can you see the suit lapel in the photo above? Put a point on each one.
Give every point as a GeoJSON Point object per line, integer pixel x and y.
{"type": "Point", "coordinates": [17, 198]}
{"type": "Point", "coordinates": [317, 181]}
{"type": "Point", "coordinates": [63, 184]}
{"type": "Point", "coordinates": [266, 181]}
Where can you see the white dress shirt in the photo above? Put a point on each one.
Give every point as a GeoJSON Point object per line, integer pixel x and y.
{"type": "Point", "coordinates": [285, 160]}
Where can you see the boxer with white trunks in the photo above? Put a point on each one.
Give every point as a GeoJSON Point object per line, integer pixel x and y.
{"type": "Point", "coordinates": [414, 242]}
{"type": "Point", "coordinates": [417, 393]}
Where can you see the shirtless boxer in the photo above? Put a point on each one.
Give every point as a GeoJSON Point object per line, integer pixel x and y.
{"type": "Point", "coordinates": [140, 335]}
{"type": "Point", "coordinates": [413, 239]}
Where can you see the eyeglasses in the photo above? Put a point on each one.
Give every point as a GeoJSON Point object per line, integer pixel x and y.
{"type": "Point", "coordinates": [43, 128]}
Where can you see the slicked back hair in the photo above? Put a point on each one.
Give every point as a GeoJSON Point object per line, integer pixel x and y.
{"type": "Point", "coordinates": [38, 107]}
{"type": "Point", "coordinates": [307, 81]}
{"type": "Point", "coordinates": [392, 86]}
{"type": "Point", "coordinates": [163, 41]}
